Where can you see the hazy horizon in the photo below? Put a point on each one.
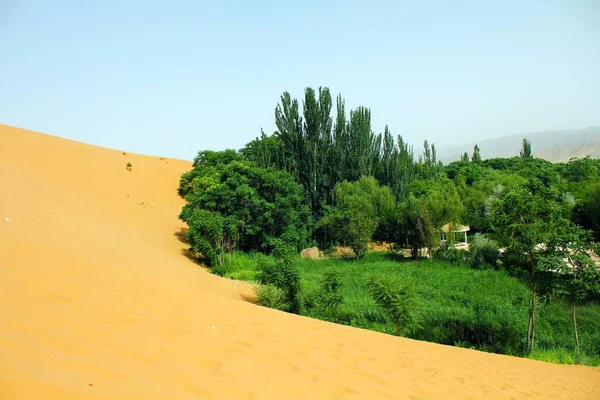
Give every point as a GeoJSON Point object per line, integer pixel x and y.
{"type": "Point", "coordinates": [172, 78]}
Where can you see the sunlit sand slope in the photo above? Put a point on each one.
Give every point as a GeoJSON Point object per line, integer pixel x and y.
{"type": "Point", "coordinates": [97, 302]}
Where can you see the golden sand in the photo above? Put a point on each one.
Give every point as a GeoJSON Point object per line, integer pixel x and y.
{"type": "Point", "coordinates": [98, 302]}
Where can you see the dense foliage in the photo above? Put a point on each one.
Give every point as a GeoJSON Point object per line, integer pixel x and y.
{"type": "Point", "coordinates": [325, 178]}
{"type": "Point", "coordinates": [359, 208]}
{"type": "Point", "coordinates": [320, 151]}
{"type": "Point", "coordinates": [531, 220]}
{"type": "Point", "coordinates": [236, 204]}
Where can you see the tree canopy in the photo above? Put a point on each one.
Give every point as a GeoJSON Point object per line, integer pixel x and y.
{"type": "Point", "coordinates": [238, 204]}
{"type": "Point", "coordinates": [359, 208]}
{"type": "Point", "coordinates": [320, 149]}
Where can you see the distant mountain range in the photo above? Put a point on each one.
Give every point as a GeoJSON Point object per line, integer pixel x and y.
{"type": "Point", "coordinates": [554, 146]}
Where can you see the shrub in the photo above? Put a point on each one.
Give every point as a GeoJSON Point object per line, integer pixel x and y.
{"type": "Point", "coordinates": [271, 296]}
{"type": "Point", "coordinates": [484, 252]}
{"type": "Point", "coordinates": [398, 301]}
{"type": "Point", "coordinates": [250, 208]}
{"type": "Point", "coordinates": [451, 255]}
{"type": "Point", "coordinates": [128, 166]}
{"type": "Point", "coordinates": [330, 298]}
{"type": "Point", "coordinates": [284, 274]}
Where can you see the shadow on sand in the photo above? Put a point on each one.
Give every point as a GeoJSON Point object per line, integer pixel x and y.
{"type": "Point", "coordinates": [181, 235]}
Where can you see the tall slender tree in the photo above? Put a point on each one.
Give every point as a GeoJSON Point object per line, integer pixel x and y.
{"type": "Point", "coordinates": [321, 151]}
{"type": "Point", "coordinates": [476, 157]}
{"type": "Point", "coordinates": [526, 149]}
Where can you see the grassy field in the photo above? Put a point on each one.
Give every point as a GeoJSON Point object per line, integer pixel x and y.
{"type": "Point", "coordinates": [481, 309]}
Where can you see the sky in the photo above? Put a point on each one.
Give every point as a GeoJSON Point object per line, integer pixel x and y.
{"type": "Point", "coordinates": [170, 78]}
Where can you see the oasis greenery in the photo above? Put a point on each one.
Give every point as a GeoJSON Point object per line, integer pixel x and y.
{"type": "Point", "coordinates": [325, 178]}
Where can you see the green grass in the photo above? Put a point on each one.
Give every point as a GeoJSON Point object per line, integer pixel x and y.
{"type": "Point", "coordinates": [460, 306]}
{"type": "Point", "coordinates": [563, 356]}
{"type": "Point", "coordinates": [239, 266]}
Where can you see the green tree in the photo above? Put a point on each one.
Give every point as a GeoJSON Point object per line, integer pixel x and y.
{"type": "Point", "coordinates": [239, 204]}
{"type": "Point", "coordinates": [265, 151]}
{"type": "Point", "coordinates": [407, 225]}
{"type": "Point", "coordinates": [526, 149]}
{"type": "Point", "coordinates": [528, 168]}
{"type": "Point", "coordinates": [430, 206]}
{"type": "Point", "coordinates": [203, 162]}
{"type": "Point", "coordinates": [465, 157]}
{"type": "Point", "coordinates": [581, 169]}
{"type": "Point", "coordinates": [320, 152]}
{"type": "Point", "coordinates": [475, 183]}
{"type": "Point", "coordinates": [429, 167]}
{"type": "Point", "coordinates": [586, 212]}
{"type": "Point", "coordinates": [396, 167]}
{"type": "Point", "coordinates": [532, 223]}
{"type": "Point", "coordinates": [476, 157]}
{"type": "Point", "coordinates": [359, 207]}
{"type": "Point", "coordinates": [206, 235]}
{"type": "Point", "coordinates": [575, 275]}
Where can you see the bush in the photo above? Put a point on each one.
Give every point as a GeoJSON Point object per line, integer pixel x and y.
{"type": "Point", "coordinates": [242, 205]}
{"type": "Point", "coordinates": [397, 300]}
{"type": "Point", "coordinates": [284, 274]}
{"type": "Point", "coordinates": [451, 255]}
{"type": "Point", "coordinates": [272, 297]}
{"type": "Point", "coordinates": [330, 298]}
{"type": "Point", "coordinates": [484, 252]}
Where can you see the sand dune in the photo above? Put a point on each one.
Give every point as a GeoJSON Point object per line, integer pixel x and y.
{"type": "Point", "coordinates": [97, 302]}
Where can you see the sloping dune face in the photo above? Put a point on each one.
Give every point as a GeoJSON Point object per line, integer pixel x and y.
{"type": "Point", "coordinates": [97, 302]}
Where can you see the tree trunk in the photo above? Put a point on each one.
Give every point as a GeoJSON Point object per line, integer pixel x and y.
{"type": "Point", "coordinates": [414, 251]}
{"type": "Point", "coordinates": [386, 323]}
{"type": "Point", "coordinates": [531, 327]}
{"type": "Point", "coordinates": [575, 326]}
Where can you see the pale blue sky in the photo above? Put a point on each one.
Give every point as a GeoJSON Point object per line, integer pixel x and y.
{"type": "Point", "coordinates": [172, 77]}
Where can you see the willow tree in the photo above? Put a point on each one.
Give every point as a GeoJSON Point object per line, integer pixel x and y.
{"type": "Point", "coordinates": [430, 206]}
{"type": "Point", "coordinates": [359, 208]}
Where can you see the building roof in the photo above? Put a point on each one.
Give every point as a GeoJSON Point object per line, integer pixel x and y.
{"type": "Point", "coordinates": [455, 228]}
